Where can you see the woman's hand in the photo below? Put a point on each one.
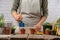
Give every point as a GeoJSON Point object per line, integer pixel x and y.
{"type": "Point", "coordinates": [37, 27]}
{"type": "Point", "coordinates": [18, 17]}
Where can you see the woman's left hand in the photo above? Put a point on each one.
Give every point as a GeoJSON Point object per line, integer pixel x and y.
{"type": "Point", "coordinates": [37, 27]}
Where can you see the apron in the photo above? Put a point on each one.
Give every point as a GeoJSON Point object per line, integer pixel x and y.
{"type": "Point", "coordinates": [30, 10]}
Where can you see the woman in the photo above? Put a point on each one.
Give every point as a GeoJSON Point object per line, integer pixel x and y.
{"type": "Point", "coordinates": [33, 12]}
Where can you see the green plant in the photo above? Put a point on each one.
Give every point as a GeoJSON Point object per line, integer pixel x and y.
{"type": "Point", "coordinates": [1, 20]}
{"type": "Point", "coordinates": [47, 24]}
{"type": "Point", "coordinates": [47, 29]}
{"type": "Point", "coordinates": [1, 16]}
{"type": "Point", "coordinates": [13, 27]}
{"type": "Point", "coordinates": [58, 23]}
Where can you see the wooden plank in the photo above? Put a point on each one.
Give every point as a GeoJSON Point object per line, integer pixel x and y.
{"type": "Point", "coordinates": [43, 36]}
{"type": "Point", "coordinates": [4, 36]}
{"type": "Point", "coordinates": [19, 36]}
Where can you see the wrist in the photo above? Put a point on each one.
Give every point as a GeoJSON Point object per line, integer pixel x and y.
{"type": "Point", "coordinates": [39, 24]}
{"type": "Point", "coordinates": [14, 13]}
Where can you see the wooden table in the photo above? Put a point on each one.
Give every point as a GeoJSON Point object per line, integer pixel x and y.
{"type": "Point", "coordinates": [5, 36]}
{"type": "Point", "coordinates": [47, 37]}
{"type": "Point", "coordinates": [19, 36]}
{"type": "Point", "coordinates": [29, 36]}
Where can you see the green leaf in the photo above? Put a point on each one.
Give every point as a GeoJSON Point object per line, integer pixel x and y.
{"type": "Point", "coordinates": [47, 29]}
{"type": "Point", "coordinates": [47, 24]}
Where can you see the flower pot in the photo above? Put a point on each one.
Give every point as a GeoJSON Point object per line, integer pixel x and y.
{"type": "Point", "coordinates": [47, 32]}
{"type": "Point", "coordinates": [22, 31]}
{"type": "Point", "coordinates": [32, 31]}
{"type": "Point", "coordinates": [12, 31]}
{"type": "Point", "coordinates": [46, 26]}
{"type": "Point", "coordinates": [7, 30]}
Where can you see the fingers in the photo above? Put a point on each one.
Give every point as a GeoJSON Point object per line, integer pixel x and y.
{"type": "Point", "coordinates": [37, 27]}
{"type": "Point", "coordinates": [18, 17]}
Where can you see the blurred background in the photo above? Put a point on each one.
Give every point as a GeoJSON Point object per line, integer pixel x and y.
{"type": "Point", "coordinates": [53, 10]}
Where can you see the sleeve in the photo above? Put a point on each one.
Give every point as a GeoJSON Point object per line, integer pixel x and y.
{"type": "Point", "coordinates": [15, 5]}
{"type": "Point", "coordinates": [45, 7]}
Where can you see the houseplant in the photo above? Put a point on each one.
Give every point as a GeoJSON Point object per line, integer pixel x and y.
{"type": "Point", "coordinates": [57, 27]}
{"type": "Point", "coordinates": [13, 30]}
{"type": "Point", "coordinates": [47, 25]}
{"type": "Point", "coordinates": [1, 23]}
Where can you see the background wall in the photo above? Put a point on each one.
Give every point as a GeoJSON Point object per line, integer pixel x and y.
{"type": "Point", "coordinates": [54, 10]}
{"type": "Point", "coordinates": [53, 7]}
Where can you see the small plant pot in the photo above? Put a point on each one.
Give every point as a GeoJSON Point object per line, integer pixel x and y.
{"type": "Point", "coordinates": [1, 30]}
{"type": "Point", "coordinates": [7, 30]}
{"type": "Point", "coordinates": [46, 26]}
{"type": "Point", "coordinates": [32, 31]}
{"type": "Point", "coordinates": [22, 31]}
{"type": "Point", "coordinates": [12, 31]}
{"type": "Point", "coordinates": [47, 32]}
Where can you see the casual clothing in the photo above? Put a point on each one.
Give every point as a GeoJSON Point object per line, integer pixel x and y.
{"type": "Point", "coordinates": [32, 10]}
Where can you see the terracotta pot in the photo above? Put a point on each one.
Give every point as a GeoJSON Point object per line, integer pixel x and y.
{"type": "Point", "coordinates": [47, 32]}
{"type": "Point", "coordinates": [32, 31]}
{"type": "Point", "coordinates": [7, 30]}
{"type": "Point", "coordinates": [22, 31]}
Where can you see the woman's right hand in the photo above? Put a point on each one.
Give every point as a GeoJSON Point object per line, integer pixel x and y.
{"type": "Point", "coordinates": [18, 17]}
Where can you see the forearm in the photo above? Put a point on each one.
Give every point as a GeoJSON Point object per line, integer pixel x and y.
{"type": "Point", "coordinates": [43, 19]}
{"type": "Point", "coordinates": [14, 13]}
{"type": "Point", "coordinates": [40, 23]}
{"type": "Point", "coordinates": [15, 7]}
{"type": "Point", "coordinates": [45, 12]}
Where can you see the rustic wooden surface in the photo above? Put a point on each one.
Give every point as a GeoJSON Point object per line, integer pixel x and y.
{"type": "Point", "coordinates": [5, 36]}
{"type": "Point", "coordinates": [19, 36]}
{"type": "Point", "coordinates": [29, 36]}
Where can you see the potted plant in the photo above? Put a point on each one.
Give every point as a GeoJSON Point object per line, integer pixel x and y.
{"type": "Point", "coordinates": [1, 23]}
{"type": "Point", "coordinates": [32, 31]}
{"type": "Point", "coordinates": [57, 27]}
{"type": "Point", "coordinates": [22, 31]}
{"type": "Point", "coordinates": [47, 25]}
{"type": "Point", "coordinates": [13, 30]}
{"type": "Point", "coordinates": [47, 31]}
